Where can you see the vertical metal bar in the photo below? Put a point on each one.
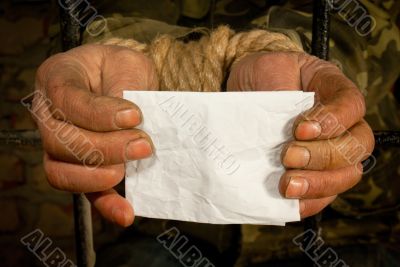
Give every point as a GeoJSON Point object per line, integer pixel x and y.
{"type": "Point", "coordinates": [321, 29]}
{"type": "Point", "coordinates": [319, 48]}
{"type": "Point", "coordinates": [69, 27]}
{"type": "Point", "coordinates": [71, 37]}
{"type": "Point", "coordinates": [387, 138]}
{"type": "Point", "coordinates": [85, 255]}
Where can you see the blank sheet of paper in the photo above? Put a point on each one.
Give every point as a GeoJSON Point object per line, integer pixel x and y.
{"type": "Point", "coordinates": [216, 157]}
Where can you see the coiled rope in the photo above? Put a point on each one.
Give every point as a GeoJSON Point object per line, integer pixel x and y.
{"type": "Point", "coordinates": [202, 65]}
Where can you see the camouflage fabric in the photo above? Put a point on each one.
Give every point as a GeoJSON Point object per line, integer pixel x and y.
{"type": "Point", "coordinates": [369, 211]}
{"type": "Point", "coordinates": [367, 214]}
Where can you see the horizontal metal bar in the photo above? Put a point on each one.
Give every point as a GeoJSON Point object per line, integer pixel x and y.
{"type": "Point", "coordinates": [18, 138]}
{"type": "Point", "coordinates": [387, 138]}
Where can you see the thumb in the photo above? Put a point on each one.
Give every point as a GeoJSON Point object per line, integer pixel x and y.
{"type": "Point", "coordinates": [339, 104]}
{"type": "Point", "coordinates": [85, 85]}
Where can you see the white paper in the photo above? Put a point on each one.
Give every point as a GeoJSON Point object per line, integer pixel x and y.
{"type": "Point", "coordinates": [216, 158]}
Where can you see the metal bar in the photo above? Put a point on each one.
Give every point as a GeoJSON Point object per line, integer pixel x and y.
{"type": "Point", "coordinates": [387, 138]}
{"type": "Point", "coordinates": [321, 29]}
{"type": "Point", "coordinates": [31, 138]}
{"type": "Point", "coordinates": [319, 48]}
{"type": "Point", "coordinates": [20, 138]}
{"type": "Point", "coordinates": [71, 37]}
{"type": "Point", "coordinates": [70, 33]}
{"type": "Point", "coordinates": [69, 26]}
{"type": "Point", "coordinates": [85, 254]}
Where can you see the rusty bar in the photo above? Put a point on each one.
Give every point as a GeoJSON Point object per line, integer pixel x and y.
{"type": "Point", "coordinates": [321, 29]}
{"type": "Point", "coordinates": [20, 138]}
{"type": "Point", "coordinates": [387, 138]}
{"type": "Point", "coordinates": [71, 37]}
{"type": "Point", "coordinates": [70, 34]}
{"type": "Point", "coordinates": [69, 26]}
{"type": "Point", "coordinates": [319, 48]}
{"type": "Point", "coordinates": [31, 138]}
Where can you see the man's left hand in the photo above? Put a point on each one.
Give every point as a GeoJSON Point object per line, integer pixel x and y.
{"type": "Point", "coordinates": [331, 139]}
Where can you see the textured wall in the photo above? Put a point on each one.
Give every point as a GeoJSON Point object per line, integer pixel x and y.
{"type": "Point", "coordinates": [29, 34]}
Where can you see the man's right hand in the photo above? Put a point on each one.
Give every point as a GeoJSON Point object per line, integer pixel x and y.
{"type": "Point", "coordinates": [83, 110]}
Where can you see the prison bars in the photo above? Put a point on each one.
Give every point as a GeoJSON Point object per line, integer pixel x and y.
{"type": "Point", "coordinates": [319, 48]}
{"type": "Point", "coordinates": [71, 33]}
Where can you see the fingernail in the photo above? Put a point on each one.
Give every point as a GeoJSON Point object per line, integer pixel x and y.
{"type": "Point", "coordinates": [127, 118]}
{"type": "Point", "coordinates": [296, 157]}
{"type": "Point", "coordinates": [306, 130]}
{"type": "Point", "coordinates": [297, 187]}
{"type": "Point", "coordinates": [138, 149]}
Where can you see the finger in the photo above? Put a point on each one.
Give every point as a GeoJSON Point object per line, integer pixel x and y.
{"type": "Point", "coordinates": [93, 112]}
{"type": "Point", "coordinates": [309, 207]}
{"type": "Point", "coordinates": [78, 178]}
{"type": "Point", "coordinates": [318, 184]}
{"type": "Point", "coordinates": [349, 149]}
{"type": "Point", "coordinates": [113, 207]}
{"type": "Point", "coordinates": [89, 95]}
{"type": "Point", "coordinates": [339, 103]}
{"type": "Point", "coordinates": [271, 71]}
{"type": "Point", "coordinates": [66, 142]}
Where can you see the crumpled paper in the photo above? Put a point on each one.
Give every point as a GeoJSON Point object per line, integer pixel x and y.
{"type": "Point", "coordinates": [216, 157]}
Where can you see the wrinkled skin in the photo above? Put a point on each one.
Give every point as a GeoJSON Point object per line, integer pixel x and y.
{"type": "Point", "coordinates": [86, 85]}
{"type": "Point", "coordinates": [331, 139]}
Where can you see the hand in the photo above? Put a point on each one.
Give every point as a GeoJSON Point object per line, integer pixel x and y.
{"type": "Point", "coordinates": [331, 139]}
{"type": "Point", "coordinates": [86, 128]}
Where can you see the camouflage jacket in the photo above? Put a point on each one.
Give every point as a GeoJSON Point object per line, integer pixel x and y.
{"type": "Point", "coordinates": [368, 54]}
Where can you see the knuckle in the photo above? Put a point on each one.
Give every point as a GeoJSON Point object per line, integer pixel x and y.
{"type": "Point", "coordinates": [101, 151]}
{"type": "Point", "coordinates": [91, 111]}
{"type": "Point", "coordinates": [93, 158]}
{"type": "Point", "coordinates": [328, 156]}
{"type": "Point", "coordinates": [329, 122]}
{"type": "Point", "coordinates": [323, 156]}
{"type": "Point", "coordinates": [320, 186]}
{"type": "Point", "coordinates": [107, 152]}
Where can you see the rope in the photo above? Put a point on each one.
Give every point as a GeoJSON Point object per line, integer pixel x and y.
{"type": "Point", "coordinates": [202, 65]}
